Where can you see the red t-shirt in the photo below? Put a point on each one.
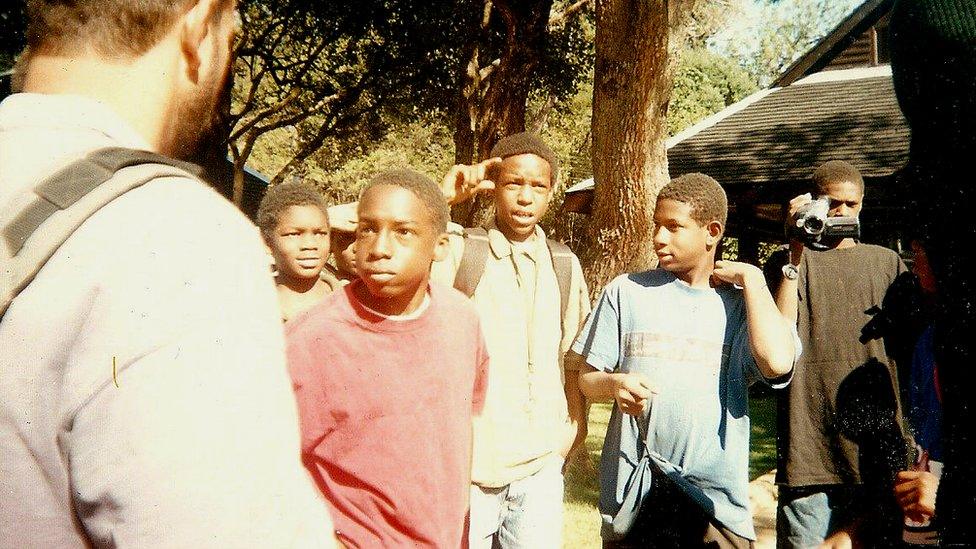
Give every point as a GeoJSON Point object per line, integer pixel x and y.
{"type": "Point", "coordinates": [386, 409]}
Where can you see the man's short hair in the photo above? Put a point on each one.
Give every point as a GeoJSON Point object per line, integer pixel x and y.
{"type": "Point", "coordinates": [526, 143]}
{"type": "Point", "coordinates": [112, 28]}
{"type": "Point", "coordinates": [420, 185]}
{"type": "Point", "coordinates": [283, 196]}
{"type": "Point", "coordinates": [836, 171]}
{"type": "Point", "coordinates": [705, 196]}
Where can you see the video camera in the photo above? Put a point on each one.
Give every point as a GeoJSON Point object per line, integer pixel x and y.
{"type": "Point", "coordinates": [812, 226]}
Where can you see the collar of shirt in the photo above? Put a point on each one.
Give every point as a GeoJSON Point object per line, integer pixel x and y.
{"type": "Point", "coordinates": [502, 247]}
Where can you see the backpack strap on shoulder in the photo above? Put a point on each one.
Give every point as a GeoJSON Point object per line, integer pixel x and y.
{"type": "Point", "coordinates": [562, 264]}
{"type": "Point", "coordinates": [44, 217]}
{"type": "Point", "coordinates": [473, 260]}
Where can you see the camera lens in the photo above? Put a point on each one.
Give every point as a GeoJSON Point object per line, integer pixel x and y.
{"type": "Point", "coordinates": [813, 225]}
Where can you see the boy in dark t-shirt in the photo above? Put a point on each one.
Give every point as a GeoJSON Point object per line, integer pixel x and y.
{"type": "Point", "coordinates": [388, 373]}
{"type": "Point", "coordinates": [840, 437]}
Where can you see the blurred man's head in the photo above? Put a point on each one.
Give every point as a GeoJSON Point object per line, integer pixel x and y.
{"type": "Point", "coordinates": [166, 61]}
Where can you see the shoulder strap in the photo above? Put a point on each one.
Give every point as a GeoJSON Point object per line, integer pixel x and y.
{"type": "Point", "coordinates": [44, 217]}
{"type": "Point", "coordinates": [475, 256]}
{"type": "Point", "coordinates": [473, 260]}
{"type": "Point", "coordinates": [562, 263]}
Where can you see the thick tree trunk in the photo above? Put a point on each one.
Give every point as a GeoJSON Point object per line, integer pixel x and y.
{"type": "Point", "coordinates": [495, 107]}
{"type": "Point", "coordinates": [632, 87]}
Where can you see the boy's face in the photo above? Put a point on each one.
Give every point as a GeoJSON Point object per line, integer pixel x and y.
{"type": "Point", "coordinates": [523, 188]}
{"type": "Point", "coordinates": [680, 242]}
{"type": "Point", "coordinates": [344, 252]}
{"type": "Point", "coordinates": [395, 244]}
{"type": "Point", "coordinates": [300, 242]}
{"type": "Point", "coordinates": [845, 199]}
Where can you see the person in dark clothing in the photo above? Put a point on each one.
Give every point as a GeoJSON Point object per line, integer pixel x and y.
{"type": "Point", "coordinates": [840, 437]}
{"type": "Point", "coordinates": [933, 49]}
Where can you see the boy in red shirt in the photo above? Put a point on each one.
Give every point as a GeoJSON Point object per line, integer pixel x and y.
{"type": "Point", "coordinates": [388, 373]}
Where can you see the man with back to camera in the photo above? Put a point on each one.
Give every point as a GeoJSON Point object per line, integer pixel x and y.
{"type": "Point", "coordinates": [844, 384]}
{"type": "Point", "coordinates": [145, 400]}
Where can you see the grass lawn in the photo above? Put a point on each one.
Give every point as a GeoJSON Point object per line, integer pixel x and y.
{"type": "Point", "coordinates": [582, 524]}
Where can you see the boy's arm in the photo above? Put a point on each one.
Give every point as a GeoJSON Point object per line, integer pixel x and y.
{"type": "Point", "coordinates": [770, 334]}
{"type": "Point", "coordinates": [572, 363]}
{"type": "Point", "coordinates": [787, 293]}
{"type": "Point", "coordinates": [787, 297]}
{"type": "Point", "coordinates": [575, 406]}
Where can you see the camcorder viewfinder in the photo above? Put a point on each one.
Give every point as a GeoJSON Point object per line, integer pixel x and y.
{"type": "Point", "coordinates": [812, 226]}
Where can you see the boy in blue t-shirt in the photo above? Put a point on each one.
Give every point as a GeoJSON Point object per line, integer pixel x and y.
{"type": "Point", "coordinates": [676, 348]}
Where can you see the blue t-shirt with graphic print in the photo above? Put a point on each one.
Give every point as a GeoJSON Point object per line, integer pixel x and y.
{"type": "Point", "coordinates": [693, 346]}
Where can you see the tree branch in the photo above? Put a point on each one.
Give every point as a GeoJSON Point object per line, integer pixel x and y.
{"type": "Point", "coordinates": [559, 19]}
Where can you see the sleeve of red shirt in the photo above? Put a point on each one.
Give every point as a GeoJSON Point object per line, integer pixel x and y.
{"type": "Point", "coordinates": [481, 375]}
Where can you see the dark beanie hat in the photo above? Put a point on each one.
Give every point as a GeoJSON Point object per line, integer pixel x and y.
{"type": "Point", "coordinates": [526, 143]}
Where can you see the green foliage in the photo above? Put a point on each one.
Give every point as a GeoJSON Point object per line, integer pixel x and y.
{"type": "Point", "coordinates": [773, 34]}
{"type": "Point", "coordinates": [705, 83]}
{"type": "Point", "coordinates": [422, 145]}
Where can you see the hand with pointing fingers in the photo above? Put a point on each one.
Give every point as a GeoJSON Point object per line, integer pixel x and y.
{"type": "Point", "coordinates": [463, 181]}
{"type": "Point", "coordinates": [632, 392]}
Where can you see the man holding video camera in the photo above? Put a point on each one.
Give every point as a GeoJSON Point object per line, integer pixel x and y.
{"type": "Point", "coordinates": [840, 435]}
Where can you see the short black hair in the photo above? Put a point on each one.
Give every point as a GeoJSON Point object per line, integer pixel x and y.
{"type": "Point", "coordinates": [705, 196]}
{"type": "Point", "coordinates": [836, 171]}
{"type": "Point", "coordinates": [526, 143]}
{"type": "Point", "coordinates": [420, 185]}
{"type": "Point", "coordinates": [282, 196]}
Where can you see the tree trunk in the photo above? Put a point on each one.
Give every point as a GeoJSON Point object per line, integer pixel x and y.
{"type": "Point", "coordinates": [632, 87]}
{"type": "Point", "coordinates": [495, 107]}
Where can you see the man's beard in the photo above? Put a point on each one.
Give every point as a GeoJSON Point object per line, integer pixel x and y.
{"type": "Point", "coordinates": [201, 124]}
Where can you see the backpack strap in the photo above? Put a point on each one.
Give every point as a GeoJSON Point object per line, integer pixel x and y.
{"type": "Point", "coordinates": [473, 260]}
{"type": "Point", "coordinates": [475, 257]}
{"type": "Point", "coordinates": [44, 217]}
{"type": "Point", "coordinates": [562, 264]}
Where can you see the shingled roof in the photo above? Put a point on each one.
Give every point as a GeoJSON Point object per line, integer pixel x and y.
{"type": "Point", "coordinates": [783, 134]}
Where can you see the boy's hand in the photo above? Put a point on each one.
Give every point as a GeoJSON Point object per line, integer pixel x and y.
{"type": "Point", "coordinates": [738, 273]}
{"type": "Point", "coordinates": [464, 181]}
{"type": "Point", "coordinates": [840, 539]}
{"type": "Point", "coordinates": [916, 491]}
{"type": "Point", "coordinates": [632, 391]}
{"type": "Point", "coordinates": [796, 246]}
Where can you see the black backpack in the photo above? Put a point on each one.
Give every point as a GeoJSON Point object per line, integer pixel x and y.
{"type": "Point", "coordinates": [41, 219]}
{"type": "Point", "coordinates": [475, 256]}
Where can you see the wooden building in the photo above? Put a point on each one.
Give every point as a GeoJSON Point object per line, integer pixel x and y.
{"type": "Point", "coordinates": [836, 102]}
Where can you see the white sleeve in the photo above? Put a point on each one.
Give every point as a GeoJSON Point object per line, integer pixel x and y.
{"type": "Point", "coordinates": [184, 429]}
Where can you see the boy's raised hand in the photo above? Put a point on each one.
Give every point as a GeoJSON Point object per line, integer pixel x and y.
{"type": "Point", "coordinates": [463, 181]}
{"type": "Point", "coordinates": [738, 273]}
{"type": "Point", "coordinates": [632, 392]}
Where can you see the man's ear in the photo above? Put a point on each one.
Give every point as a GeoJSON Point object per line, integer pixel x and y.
{"type": "Point", "coordinates": [195, 26]}
{"type": "Point", "coordinates": [441, 247]}
{"type": "Point", "coordinates": [714, 229]}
